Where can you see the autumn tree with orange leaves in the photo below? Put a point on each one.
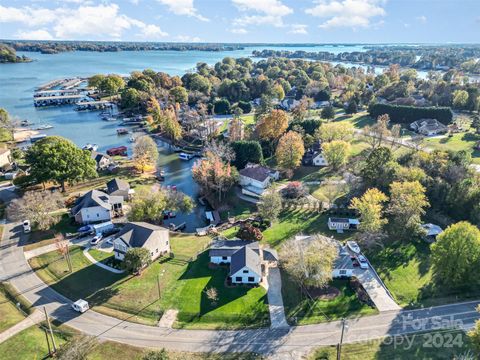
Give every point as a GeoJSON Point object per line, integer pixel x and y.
{"type": "Point", "coordinates": [272, 126]}
{"type": "Point", "coordinates": [214, 175]}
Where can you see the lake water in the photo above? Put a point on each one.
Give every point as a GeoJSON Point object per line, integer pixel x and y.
{"type": "Point", "coordinates": [18, 81]}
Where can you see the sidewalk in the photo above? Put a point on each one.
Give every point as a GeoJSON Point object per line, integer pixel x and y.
{"type": "Point", "coordinates": [52, 247]}
{"type": "Point", "coordinates": [99, 264]}
{"type": "Point", "coordinates": [35, 318]}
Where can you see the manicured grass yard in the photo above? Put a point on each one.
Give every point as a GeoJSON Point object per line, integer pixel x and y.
{"type": "Point", "coordinates": [306, 311]}
{"type": "Point", "coordinates": [9, 314]}
{"type": "Point", "coordinates": [136, 298]}
{"type": "Point", "coordinates": [239, 306]}
{"type": "Point", "coordinates": [100, 255]}
{"type": "Point", "coordinates": [417, 347]}
{"type": "Point", "coordinates": [463, 141]}
{"type": "Point", "coordinates": [407, 273]}
{"type": "Point", "coordinates": [42, 238]}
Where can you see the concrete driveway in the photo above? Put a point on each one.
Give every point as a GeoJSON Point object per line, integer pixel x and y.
{"type": "Point", "coordinates": [275, 300]}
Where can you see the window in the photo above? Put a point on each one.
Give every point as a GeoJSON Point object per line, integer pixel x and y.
{"type": "Point", "coordinates": [245, 271]}
{"type": "Point", "coordinates": [224, 258]}
{"type": "Point", "coordinates": [343, 272]}
{"type": "Point", "coordinates": [238, 278]}
{"type": "Point", "coordinates": [157, 250]}
{"type": "Point", "coordinates": [152, 253]}
{"type": "Point", "coordinates": [166, 243]}
{"type": "Point", "coordinates": [251, 279]}
{"type": "Point", "coordinates": [98, 215]}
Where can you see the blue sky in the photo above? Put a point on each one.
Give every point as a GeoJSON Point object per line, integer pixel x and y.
{"type": "Point", "coordinates": [275, 21]}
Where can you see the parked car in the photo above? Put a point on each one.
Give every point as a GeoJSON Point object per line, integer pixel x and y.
{"type": "Point", "coordinates": [80, 306]}
{"type": "Point", "coordinates": [26, 226]}
{"type": "Point", "coordinates": [363, 262]}
{"type": "Point", "coordinates": [96, 239]}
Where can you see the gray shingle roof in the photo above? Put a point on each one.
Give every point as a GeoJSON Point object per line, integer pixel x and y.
{"type": "Point", "coordinates": [136, 234]}
{"type": "Point", "coordinates": [91, 199]}
{"type": "Point", "coordinates": [258, 172]}
{"type": "Point", "coordinates": [246, 257]}
{"type": "Point", "coordinates": [117, 184]}
{"type": "Point", "coordinates": [229, 247]}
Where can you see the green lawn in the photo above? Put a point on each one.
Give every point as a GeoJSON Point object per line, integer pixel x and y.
{"type": "Point", "coordinates": [418, 346]}
{"type": "Point", "coordinates": [407, 273]}
{"type": "Point", "coordinates": [100, 255]}
{"type": "Point", "coordinates": [181, 284]}
{"type": "Point", "coordinates": [305, 311]}
{"type": "Point", "coordinates": [42, 238]}
{"type": "Point", "coordinates": [237, 307]}
{"type": "Point", "coordinates": [9, 314]}
{"type": "Point", "coordinates": [463, 141]}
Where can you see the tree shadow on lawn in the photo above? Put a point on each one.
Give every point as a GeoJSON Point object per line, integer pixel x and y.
{"type": "Point", "coordinates": [219, 312]}
{"type": "Point", "coordinates": [398, 254]}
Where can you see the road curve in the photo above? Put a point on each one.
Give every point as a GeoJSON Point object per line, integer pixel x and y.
{"type": "Point", "coordinates": [296, 340]}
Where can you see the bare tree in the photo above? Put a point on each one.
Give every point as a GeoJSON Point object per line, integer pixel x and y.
{"type": "Point", "coordinates": [62, 248]}
{"type": "Point", "coordinates": [38, 207]}
{"type": "Point", "coordinates": [212, 295]}
{"type": "Point", "coordinates": [221, 149]}
{"type": "Point", "coordinates": [78, 348]}
{"type": "Point", "coordinates": [378, 133]}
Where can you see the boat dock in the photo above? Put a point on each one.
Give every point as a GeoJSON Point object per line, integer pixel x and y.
{"type": "Point", "coordinates": [93, 105]}
{"type": "Point", "coordinates": [69, 84]}
{"type": "Point", "coordinates": [57, 92]}
{"type": "Point", "coordinates": [57, 100]}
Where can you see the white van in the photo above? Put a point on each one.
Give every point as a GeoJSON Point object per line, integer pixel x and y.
{"type": "Point", "coordinates": [26, 226]}
{"type": "Point", "coordinates": [80, 306]}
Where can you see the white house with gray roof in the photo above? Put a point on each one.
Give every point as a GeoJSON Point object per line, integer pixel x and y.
{"type": "Point", "coordinates": [246, 259]}
{"type": "Point", "coordinates": [255, 178]}
{"type": "Point", "coordinates": [155, 239]}
{"type": "Point", "coordinates": [96, 206]}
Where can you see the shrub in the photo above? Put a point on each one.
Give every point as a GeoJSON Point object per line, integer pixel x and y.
{"type": "Point", "coordinates": [250, 233]}
{"type": "Point", "coordinates": [407, 114]}
{"type": "Point", "coordinates": [294, 190]}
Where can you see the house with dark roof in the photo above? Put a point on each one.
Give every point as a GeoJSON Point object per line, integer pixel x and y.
{"type": "Point", "coordinates": [248, 262]}
{"type": "Point", "coordinates": [119, 187]}
{"type": "Point", "coordinates": [255, 178]}
{"type": "Point", "coordinates": [103, 161]}
{"type": "Point", "coordinates": [96, 206]}
{"type": "Point", "coordinates": [429, 127]}
{"type": "Point", "coordinates": [155, 239]}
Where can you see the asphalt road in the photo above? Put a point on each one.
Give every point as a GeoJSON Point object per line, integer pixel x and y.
{"type": "Point", "coordinates": [281, 343]}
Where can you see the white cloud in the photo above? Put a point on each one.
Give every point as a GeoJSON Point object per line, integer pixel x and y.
{"type": "Point", "coordinates": [183, 7]}
{"type": "Point", "coordinates": [103, 21]}
{"type": "Point", "coordinates": [40, 34]}
{"type": "Point", "coordinates": [261, 12]}
{"type": "Point", "coordinates": [239, 31]}
{"type": "Point", "coordinates": [187, 38]}
{"type": "Point", "coordinates": [422, 19]}
{"type": "Point", "coordinates": [300, 29]}
{"type": "Point", "coordinates": [347, 13]}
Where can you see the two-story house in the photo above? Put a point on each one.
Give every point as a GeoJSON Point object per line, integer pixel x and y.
{"type": "Point", "coordinates": [255, 178]}
{"type": "Point", "coordinates": [96, 206]}
{"type": "Point", "coordinates": [155, 239]}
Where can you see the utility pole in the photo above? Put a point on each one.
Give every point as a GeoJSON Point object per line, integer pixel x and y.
{"type": "Point", "coordinates": [339, 347]}
{"type": "Point", "coordinates": [50, 329]}
{"type": "Point", "coordinates": [158, 285]}
{"type": "Point", "coordinates": [48, 342]}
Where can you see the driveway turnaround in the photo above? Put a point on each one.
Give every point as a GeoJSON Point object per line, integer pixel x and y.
{"type": "Point", "coordinates": [277, 342]}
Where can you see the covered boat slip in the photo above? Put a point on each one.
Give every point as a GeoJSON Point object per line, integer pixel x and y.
{"type": "Point", "coordinates": [57, 100]}
{"type": "Point", "coordinates": [93, 105]}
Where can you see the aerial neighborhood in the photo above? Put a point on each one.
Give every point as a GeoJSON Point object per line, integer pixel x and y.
{"type": "Point", "coordinates": [290, 202]}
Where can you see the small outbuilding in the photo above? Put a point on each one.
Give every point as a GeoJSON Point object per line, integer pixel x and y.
{"type": "Point", "coordinates": [119, 187]}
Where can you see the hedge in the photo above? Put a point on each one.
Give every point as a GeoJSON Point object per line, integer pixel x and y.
{"type": "Point", "coordinates": [407, 114]}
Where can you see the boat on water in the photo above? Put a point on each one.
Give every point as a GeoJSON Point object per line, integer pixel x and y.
{"type": "Point", "coordinates": [25, 123]}
{"type": "Point", "coordinates": [353, 246]}
{"type": "Point", "coordinates": [185, 156]}
{"type": "Point", "coordinates": [90, 147]}
{"type": "Point", "coordinates": [122, 131]}
{"type": "Point", "coordinates": [109, 118]}
{"type": "Point", "coordinates": [132, 139]}
{"type": "Point", "coordinates": [44, 127]}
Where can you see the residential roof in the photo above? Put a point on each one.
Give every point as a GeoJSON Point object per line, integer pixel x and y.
{"type": "Point", "coordinates": [117, 184]}
{"type": "Point", "coordinates": [98, 156]}
{"type": "Point", "coordinates": [270, 254]}
{"type": "Point", "coordinates": [229, 247]}
{"type": "Point", "coordinates": [245, 257]}
{"type": "Point", "coordinates": [432, 229]}
{"type": "Point", "coordinates": [136, 234]}
{"type": "Point", "coordinates": [95, 198]}
{"type": "Point", "coordinates": [344, 220]}
{"type": "Point", "coordinates": [257, 172]}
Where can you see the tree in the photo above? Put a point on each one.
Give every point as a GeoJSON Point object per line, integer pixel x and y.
{"type": "Point", "coordinates": [294, 190]}
{"type": "Point", "coordinates": [378, 133]}
{"type": "Point", "coordinates": [272, 125]}
{"type": "Point", "coordinates": [221, 107]}
{"type": "Point", "coordinates": [336, 153]}
{"type": "Point", "coordinates": [335, 131]}
{"type": "Point", "coordinates": [407, 204]}
{"type": "Point", "coordinates": [36, 206]}
{"type": "Point", "coordinates": [474, 335]}
{"type": "Point", "coordinates": [149, 204]}
{"type": "Point", "coordinates": [95, 81]}
{"type": "Point", "coordinates": [145, 153]}
{"type": "Point", "coordinates": [179, 94]}
{"type": "Point", "coordinates": [309, 261]}
{"type": "Point", "coordinates": [249, 232]}
{"type": "Point", "coordinates": [290, 151]}
{"type": "Point", "coordinates": [352, 107]}
{"type": "Point", "coordinates": [136, 259]}
{"type": "Point", "coordinates": [59, 160]}
{"type": "Point", "coordinates": [246, 152]}
{"type": "Point", "coordinates": [130, 98]}
{"type": "Point", "coordinates": [236, 129]}
{"type": "Point", "coordinates": [380, 168]}
{"type": "Point", "coordinates": [77, 348]}
{"type": "Point", "coordinates": [6, 123]}
{"type": "Point", "coordinates": [456, 255]}
{"type": "Point", "coordinates": [328, 112]}
{"type": "Point", "coordinates": [214, 175]}
{"type": "Point", "coordinates": [270, 205]}
{"type": "Point", "coordinates": [212, 295]}
{"type": "Point", "coordinates": [460, 99]}
{"type": "Point", "coordinates": [370, 207]}
{"type": "Point", "coordinates": [111, 84]}
{"type": "Point", "coordinates": [245, 106]}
